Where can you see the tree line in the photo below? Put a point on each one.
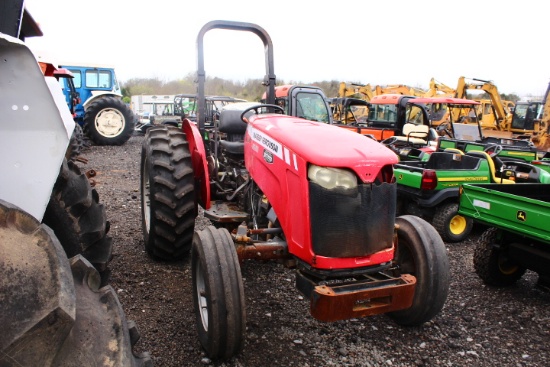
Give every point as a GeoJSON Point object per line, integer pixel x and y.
{"type": "Point", "coordinates": [250, 89]}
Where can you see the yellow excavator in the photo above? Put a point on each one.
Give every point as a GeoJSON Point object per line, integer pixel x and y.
{"type": "Point", "coordinates": [438, 89]}
{"type": "Point", "coordinates": [399, 89]}
{"type": "Point", "coordinates": [360, 91]}
{"type": "Point", "coordinates": [439, 112]}
{"type": "Point", "coordinates": [494, 114]}
{"type": "Point", "coordinates": [366, 92]}
{"type": "Point", "coordinates": [532, 120]}
{"type": "Point", "coordinates": [528, 120]}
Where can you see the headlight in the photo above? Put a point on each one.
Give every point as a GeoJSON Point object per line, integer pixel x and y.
{"type": "Point", "coordinates": [331, 178]}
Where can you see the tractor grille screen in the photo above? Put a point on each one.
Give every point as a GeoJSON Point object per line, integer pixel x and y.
{"type": "Point", "coordinates": [352, 224]}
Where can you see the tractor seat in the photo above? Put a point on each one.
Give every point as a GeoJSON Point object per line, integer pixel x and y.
{"type": "Point", "coordinates": [231, 124]}
{"type": "Point", "coordinates": [414, 134]}
{"type": "Point", "coordinates": [495, 164]}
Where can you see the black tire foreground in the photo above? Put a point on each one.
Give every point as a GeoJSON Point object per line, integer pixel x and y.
{"type": "Point", "coordinates": [53, 311]}
{"type": "Point", "coordinates": [218, 293]}
{"type": "Point", "coordinates": [443, 223]}
{"type": "Point", "coordinates": [77, 143]}
{"type": "Point", "coordinates": [422, 253]}
{"type": "Point", "coordinates": [168, 198]}
{"type": "Point", "coordinates": [118, 115]}
{"type": "Point", "coordinates": [491, 263]}
{"type": "Point", "coordinates": [78, 219]}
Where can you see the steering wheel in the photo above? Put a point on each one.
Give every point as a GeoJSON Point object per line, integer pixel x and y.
{"type": "Point", "coordinates": [389, 140]}
{"type": "Point", "coordinates": [256, 108]}
{"type": "Point", "coordinates": [394, 144]}
{"type": "Point", "coordinates": [493, 150]}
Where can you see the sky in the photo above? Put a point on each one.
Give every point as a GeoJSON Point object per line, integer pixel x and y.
{"type": "Point", "coordinates": [359, 41]}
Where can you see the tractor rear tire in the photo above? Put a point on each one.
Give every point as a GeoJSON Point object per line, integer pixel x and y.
{"type": "Point", "coordinates": [168, 199]}
{"type": "Point", "coordinates": [218, 293]}
{"type": "Point", "coordinates": [78, 219]}
{"type": "Point", "coordinates": [492, 265]}
{"type": "Point", "coordinates": [108, 121]}
{"type": "Point", "coordinates": [53, 311]}
{"type": "Point", "coordinates": [76, 145]}
{"type": "Point", "coordinates": [422, 253]}
{"type": "Point", "coordinates": [452, 226]}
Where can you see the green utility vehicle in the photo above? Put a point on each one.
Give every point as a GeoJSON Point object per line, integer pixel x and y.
{"type": "Point", "coordinates": [462, 131]}
{"type": "Point", "coordinates": [430, 188]}
{"type": "Point", "coordinates": [467, 137]}
{"type": "Point", "coordinates": [518, 237]}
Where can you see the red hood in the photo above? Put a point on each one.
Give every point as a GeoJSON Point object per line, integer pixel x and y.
{"type": "Point", "coordinates": [326, 145]}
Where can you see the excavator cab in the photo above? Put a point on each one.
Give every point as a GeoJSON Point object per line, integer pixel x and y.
{"type": "Point", "coordinates": [525, 115]}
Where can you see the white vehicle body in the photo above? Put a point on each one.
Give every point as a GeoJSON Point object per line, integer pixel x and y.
{"type": "Point", "coordinates": [36, 126]}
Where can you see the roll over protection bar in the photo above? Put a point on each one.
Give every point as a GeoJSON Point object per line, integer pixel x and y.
{"type": "Point", "coordinates": [269, 78]}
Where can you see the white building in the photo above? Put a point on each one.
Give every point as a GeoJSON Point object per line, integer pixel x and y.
{"type": "Point", "coordinates": [158, 105]}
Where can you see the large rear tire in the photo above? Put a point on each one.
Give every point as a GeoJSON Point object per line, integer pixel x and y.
{"type": "Point", "coordinates": [77, 144]}
{"type": "Point", "coordinates": [168, 198]}
{"type": "Point", "coordinates": [452, 226]}
{"type": "Point", "coordinates": [78, 219]}
{"type": "Point", "coordinates": [422, 253]}
{"type": "Point", "coordinates": [491, 263]}
{"type": "Point", "coordinates": [218, 293]}
{"type": "Point", "coordinates": [53, 311]}
{"type": "Point", "coordinates": [108, 121]}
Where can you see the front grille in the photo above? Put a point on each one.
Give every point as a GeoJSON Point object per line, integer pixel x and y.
{"type": "Point", "coordinates": [352, 224]}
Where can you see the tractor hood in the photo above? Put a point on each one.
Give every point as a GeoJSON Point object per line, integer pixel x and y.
{"type": "Point", "coordinates": [322, 144]}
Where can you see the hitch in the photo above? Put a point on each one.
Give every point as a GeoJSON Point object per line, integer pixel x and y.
{"type": "Point", "coordinates": [342, 300]}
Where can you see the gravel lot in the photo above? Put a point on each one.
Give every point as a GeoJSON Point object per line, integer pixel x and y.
{"type": "Point", "coordinates": [479, 326]}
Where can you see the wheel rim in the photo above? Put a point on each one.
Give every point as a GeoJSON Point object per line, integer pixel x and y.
{"type": "Point", "coordinates": [110, 122]}
{"type": "Point", "coordinates": [202, 301]}
{"type": "Point", "coordinates": [457, 225]}
{"type": "Point", "coordinates": [146, 197]}
{"type": "Point", "coordinates": [405, 259]}
{"type": "Point", "coordinates": [505, 266]}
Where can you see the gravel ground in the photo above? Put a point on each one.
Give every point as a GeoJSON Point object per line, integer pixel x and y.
{"type": "Point", "coordinates": [479, 325]}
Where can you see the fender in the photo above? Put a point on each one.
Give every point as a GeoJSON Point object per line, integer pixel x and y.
{"type": "Point", "coordinates": [441, 196]}
{"type": "Point", "coordinates": [35, 118]}
{"type": "Point", "coordinates": [198, 157]}
{"type": "Point", "coordinates": [97, 94]}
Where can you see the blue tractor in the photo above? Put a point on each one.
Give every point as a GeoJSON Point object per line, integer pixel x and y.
{"type": "Point", "coordinates": [104, 117]}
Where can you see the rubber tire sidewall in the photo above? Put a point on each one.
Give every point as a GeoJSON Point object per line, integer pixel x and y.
{"type": "Point", "coordinates": [486, 261]}
{"type": "Point", "coordinates": [431, 269]}
{"type": "Point", "coordinates": [78, 219]}
{"type": "Point", "coordinates": [214, 250]}
{"type": "Point", "coordinates": [442, 223]}
{"type": "Point", "coordinates": [65, 318]}
{"type": "Point", "coordinates": [167, 169]}
{"type": "Point", "coordinates": [99, 105]}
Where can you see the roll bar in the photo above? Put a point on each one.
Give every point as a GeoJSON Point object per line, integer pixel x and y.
{"type": "Point", "coordinates": [269, 78]}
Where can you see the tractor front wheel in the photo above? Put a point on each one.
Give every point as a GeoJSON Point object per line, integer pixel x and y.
{"type": "Point", "coordinates": [452, 226]}
{"type": "Point", "coordinates": [491, 263]}
{"type": "Point", "coordinates": [422, 253]}
{"type": "Point", "coordinates": [218, 293]}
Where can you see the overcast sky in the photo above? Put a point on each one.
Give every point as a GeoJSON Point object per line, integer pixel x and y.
{"type": "Point", "coordinates": [376, 42]}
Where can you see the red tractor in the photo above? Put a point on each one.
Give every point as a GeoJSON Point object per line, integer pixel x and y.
{"type": "Point", "coordinates": [317, 197]}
